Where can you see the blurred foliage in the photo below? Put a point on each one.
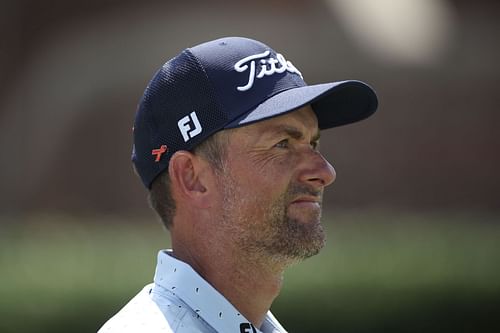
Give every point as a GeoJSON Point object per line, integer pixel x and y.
{"type": "Point", "coordinates": [380, 272]}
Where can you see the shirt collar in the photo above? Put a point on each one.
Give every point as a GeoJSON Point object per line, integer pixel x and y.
{"type": "Point", "coordinates": [183, 281]}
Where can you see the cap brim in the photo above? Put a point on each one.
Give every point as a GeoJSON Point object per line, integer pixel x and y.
{"type": "Point", "coordinates": [335, 104]}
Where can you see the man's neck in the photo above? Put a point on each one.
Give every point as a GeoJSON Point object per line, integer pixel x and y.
{"type": "Point", "coordinates": [250, 285]}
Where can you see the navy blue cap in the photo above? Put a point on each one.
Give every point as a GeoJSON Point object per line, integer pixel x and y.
{"type": "Point", "coordinates": [227, 83]}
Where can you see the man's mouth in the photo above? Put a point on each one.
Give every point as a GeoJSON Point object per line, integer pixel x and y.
{"type": "Point", "coordinates": [307, 201]}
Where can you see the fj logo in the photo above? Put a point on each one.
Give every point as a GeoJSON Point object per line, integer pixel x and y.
{"type": "Point", "coordinates": [247, 328]}
{"type": "Point", "coordinates": [185, 123]}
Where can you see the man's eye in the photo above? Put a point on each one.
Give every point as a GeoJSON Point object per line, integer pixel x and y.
{"type": "Point", "coordinates": [282, 144]}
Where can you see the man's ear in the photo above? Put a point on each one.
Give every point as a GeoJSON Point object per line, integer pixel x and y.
{"type": "Point", "coordinates": [188, 177]}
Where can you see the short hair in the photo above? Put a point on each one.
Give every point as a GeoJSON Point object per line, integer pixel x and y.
{"type": "Point", "coordinates": [213, 149]}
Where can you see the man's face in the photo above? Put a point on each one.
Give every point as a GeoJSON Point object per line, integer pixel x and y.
{"type": "Point", "coordinates": [271, 187]}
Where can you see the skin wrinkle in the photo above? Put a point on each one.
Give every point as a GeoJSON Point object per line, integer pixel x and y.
{"type": "Point", "coordinates": [278, 238]}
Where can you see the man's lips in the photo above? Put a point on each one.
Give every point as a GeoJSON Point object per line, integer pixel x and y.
{"type": "Point", "coordinates": [307, 201]}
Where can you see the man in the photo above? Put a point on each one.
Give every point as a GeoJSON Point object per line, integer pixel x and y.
{"type": "Point", "coordinates": [226, 140]}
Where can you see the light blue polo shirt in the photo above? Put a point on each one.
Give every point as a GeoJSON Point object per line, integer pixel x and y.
{"type": "Point", "coordinates": [181, 301]}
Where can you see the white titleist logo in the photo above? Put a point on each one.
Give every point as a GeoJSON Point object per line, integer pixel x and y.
{"type": "Point", "coordinates": [185, 128]}
{"type": "Point", "coordinates": [268, 66]}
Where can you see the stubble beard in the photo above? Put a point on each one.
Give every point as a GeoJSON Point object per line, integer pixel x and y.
{"type": "Point", "coordinates": [268, 233]}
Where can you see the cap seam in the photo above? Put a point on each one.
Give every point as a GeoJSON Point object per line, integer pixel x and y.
{"type": "Point", "coordinates": [198, 62]}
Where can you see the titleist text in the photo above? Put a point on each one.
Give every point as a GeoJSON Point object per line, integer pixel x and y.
{"type": "Point", "coordinates": [268, 66]}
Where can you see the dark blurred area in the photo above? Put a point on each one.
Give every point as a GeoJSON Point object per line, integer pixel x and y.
{"type": "Point", "coordinates": [73, 72]}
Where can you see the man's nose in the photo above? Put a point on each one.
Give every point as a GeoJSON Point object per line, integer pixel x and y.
{"type": "Point", "coordinates": [317, 171]}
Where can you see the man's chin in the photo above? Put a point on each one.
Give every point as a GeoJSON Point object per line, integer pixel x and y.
{"type": "Point", "coordinates": [306, 237]}
{"type": "Point", "coordinates": [305, 252]}
{"type": "Point", "coordinates": [305, 213]}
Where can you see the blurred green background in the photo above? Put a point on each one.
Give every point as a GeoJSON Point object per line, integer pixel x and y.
{"type": "Point", "coordinates": [380, 272]}
{"type": "Point", "coordinates": [413, 216]}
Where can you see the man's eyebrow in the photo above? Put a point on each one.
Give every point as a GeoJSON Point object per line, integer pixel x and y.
{"type": "Point", "coordinates": [294, 132]}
